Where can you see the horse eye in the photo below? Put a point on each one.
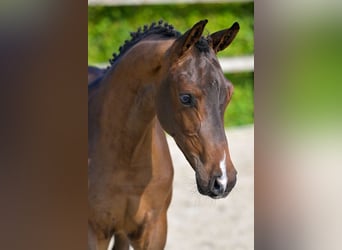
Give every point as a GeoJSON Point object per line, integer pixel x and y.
{"type": "Point", "coordinates": [187, 99]}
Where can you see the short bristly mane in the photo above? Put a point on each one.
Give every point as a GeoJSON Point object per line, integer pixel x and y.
{"type": "Point", "coordinates": [161, 28]}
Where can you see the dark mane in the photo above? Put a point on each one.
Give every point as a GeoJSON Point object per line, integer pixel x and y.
{"type": "Point", "coordinates": [160, 28]}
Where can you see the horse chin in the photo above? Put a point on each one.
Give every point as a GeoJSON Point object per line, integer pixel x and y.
{"type": "Point", "coordinates": [219, 196]}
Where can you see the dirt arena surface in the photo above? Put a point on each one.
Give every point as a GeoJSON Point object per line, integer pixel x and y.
{"type": "Point", "coordinates": [196, 222]}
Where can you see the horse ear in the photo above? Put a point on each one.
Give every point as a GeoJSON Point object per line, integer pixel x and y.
{"type": "Point", "coordinates": [190, 37]}
{"type": "Point", "coordinates": [221, 39]}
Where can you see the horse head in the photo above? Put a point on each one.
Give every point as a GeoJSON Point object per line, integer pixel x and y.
{"type": "Point", "coordinates": [191, 102]}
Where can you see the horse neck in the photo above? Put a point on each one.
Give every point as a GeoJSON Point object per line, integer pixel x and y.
{"type": "Point", "coordinates": [127, 97]}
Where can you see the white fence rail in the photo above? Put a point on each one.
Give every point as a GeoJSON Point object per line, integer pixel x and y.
{"type": "Point", "coordinates": [237, 64]}
{"type": "Point", "coordinates": [139, 2]}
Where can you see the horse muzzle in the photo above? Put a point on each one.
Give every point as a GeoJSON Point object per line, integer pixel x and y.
{"type": "Point", "coordinates": [215, 187]}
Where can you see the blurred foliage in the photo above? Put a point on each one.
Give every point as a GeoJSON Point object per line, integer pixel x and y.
{"type": "Point", "coordinates": [313, 79]}
{"type": "Point", "coordinates": [109, 27]}
{"type": "Point", "coordinates": [240, 110]}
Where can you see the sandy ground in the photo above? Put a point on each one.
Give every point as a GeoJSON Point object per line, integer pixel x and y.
{"type": "Point", "coordinates": [196, 222]}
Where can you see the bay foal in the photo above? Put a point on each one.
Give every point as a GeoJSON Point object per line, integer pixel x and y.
{"type": "Point", "coordinates": [160, 81]}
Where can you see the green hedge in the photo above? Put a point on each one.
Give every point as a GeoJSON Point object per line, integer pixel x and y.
{"type": "Point", "coordinates": [109, 27]}
{"type": "Point", "coordinates": [240, 110]}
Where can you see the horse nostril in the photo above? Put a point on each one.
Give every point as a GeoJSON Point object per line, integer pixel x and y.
{"type": "Point", "coordinates": [217, 187]}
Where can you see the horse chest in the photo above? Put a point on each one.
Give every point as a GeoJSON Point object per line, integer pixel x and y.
{"type": "Point", "coordinates": [129, 211]}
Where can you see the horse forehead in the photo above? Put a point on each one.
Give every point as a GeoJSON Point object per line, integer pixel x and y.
{"type": "Point", "coordinates": [199, 70]}
{"type": "Point", "coordinates": [205, 61]}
